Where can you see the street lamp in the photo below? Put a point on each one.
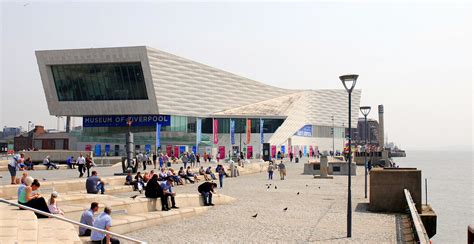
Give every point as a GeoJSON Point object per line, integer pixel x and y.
{"type": "Point", "coordinates": [349, 82]}
{"type": "Point", "coordinates": [365, 110]}
{"type": "Point", "coordinates": [333, 152]}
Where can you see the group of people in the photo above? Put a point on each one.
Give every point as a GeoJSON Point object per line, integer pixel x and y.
{"type": "Point", "coordinates": [29, 195]}
{"type": "Point", "coordinates": [272, 167]}
{"type": "Point", "coordinates": [103, 221]}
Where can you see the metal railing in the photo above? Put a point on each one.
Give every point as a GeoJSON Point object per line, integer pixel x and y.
{"type": "Point", "coordinates": [420, 230]}
{"type": "Point", "coordinates": [72, 222]}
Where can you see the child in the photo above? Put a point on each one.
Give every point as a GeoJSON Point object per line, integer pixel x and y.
{"type": "Point", "coordinates": [53, 207]}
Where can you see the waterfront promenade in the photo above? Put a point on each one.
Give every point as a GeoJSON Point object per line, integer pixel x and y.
{"type": "Point", "coordinates": [317, 214]}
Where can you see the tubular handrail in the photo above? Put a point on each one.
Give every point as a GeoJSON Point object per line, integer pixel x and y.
{"type": "Point", "coordinates": [419, 227]}
{"type": "Point", "coordinates": [72, 221]}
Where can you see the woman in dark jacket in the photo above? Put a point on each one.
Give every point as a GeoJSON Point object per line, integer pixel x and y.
{"type": "Point", "coordinates": [153, 189]}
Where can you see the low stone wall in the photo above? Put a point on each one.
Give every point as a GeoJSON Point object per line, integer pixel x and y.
{"type": "Point", "coordinates": [387, 185]}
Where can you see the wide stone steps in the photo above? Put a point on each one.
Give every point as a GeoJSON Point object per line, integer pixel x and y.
{"type": "Point", "coordinates": [22, 226]}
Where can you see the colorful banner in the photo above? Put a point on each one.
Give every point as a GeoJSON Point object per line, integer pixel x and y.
{"type": "Point", "coordinates": [249, 130]}
{"type": "Point", "coordinates": [169, 148]}
{"type": "Point", "coordinates": [198, 130]}
{"type": "Point", "coordinates": [283, 150]}
{"type": "Point", "coordinates": [194, 150]}
{"type": "Point", "coordinates": [215, 130]}
{"type": "Point", "coordinates": [232, 132]}
{"type": "Point", "coordinates": [249, 152]}
{"type": "Point", "coordinates": [274, 150]}
{"type": "Point", "coordinates": [176, 151]}
{"type": "Point", "coordinates": [262, 138]}
{"type": "Point", "coordinates": [158, 137]}
{"type": "Point", "coordinates": [221, 152]}
{"type": "Point", "coordinates": [305, 151]}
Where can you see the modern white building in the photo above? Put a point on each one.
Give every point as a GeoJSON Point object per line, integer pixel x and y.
{"type": "Point", "coordinates": [108, 86]}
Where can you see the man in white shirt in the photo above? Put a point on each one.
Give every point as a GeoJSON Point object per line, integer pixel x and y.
{"type": "Point", "coordinates": [81, 161]}
{"type": "Point", "coordinates": [14, 165]}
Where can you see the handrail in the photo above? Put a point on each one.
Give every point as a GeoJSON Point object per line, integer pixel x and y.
{"type": "Point", "coordinates": [72, 221]}
{"type": "Point", "coordinates": [419, 227]}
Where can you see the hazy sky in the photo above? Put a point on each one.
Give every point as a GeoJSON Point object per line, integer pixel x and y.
{"type": "Point", "coordinates": [415, 58]}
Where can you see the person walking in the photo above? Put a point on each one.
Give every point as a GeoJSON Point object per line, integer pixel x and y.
{"type": "Point", "coordinates": [89, 164]}
{"type": "Point", "coordinates": [270, 170]}
{"type": "Point", "coordinates": [155, 157]}
{"type": "Point", "coordinates": [282, 169]}
{"type": "Point", "coordinates": [185, 159]}
{"type": "Point", "coordinates": [14, 165]}
{"type": "Point", "coordinates": [103, 222]}
{"type": "Point", "coordinates": [81, 162]}
{"type": "Point", "coordinates": [291, 157]}
{"type": "Point", "coordinates": [221, 170]}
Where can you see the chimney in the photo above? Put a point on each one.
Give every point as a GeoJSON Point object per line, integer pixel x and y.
{"type": "Point", "coordinates": [381, 135]}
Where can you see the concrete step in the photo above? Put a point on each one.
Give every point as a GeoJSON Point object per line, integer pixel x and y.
{"type": "Point", "coordinates": [17, 226]}
{"type": "Point", "coordinates": [113, 184]}
{"type": "Point", "coordinates": [74, 207]}
{"type": "Point", "coordinates": [56, 231]}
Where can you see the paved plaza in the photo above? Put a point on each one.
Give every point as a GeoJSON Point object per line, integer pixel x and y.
{"type": "Point", "coordinates": [317, 214]}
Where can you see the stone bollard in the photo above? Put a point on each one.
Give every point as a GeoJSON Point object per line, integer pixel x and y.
{"type": "Point", "coordinates": [323, 168]}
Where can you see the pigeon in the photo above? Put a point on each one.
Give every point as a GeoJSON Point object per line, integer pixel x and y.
{"type": "Point", "coordinates": [298, 193]}
{"type": "Point", "coordinates": [306, 185]}
{"type": "Point", "coordinates": [275, 187]}
{"type": "Point", "coordinates": [44, 179]}
{"type": "Point", "coordinates": [268, 187]}
{"type": "Point", "coordinates": [133, 197]}
{"type": "Point", "coordinates": [255, 216]}
{"type": "Point", "coordinates": [319, 187]}
{"type": "Point", "coordinates": [285, 209]}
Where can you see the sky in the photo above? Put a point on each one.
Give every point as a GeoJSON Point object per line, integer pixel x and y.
{"type": "Point", "coordinates": [415, 58]}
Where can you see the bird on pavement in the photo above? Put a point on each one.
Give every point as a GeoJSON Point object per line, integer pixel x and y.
{"type": "Point", "coordinates": [319, 187]}
{"type": "Point", "coordinates": [255, 216]}
{"type": "Point", "coordinates": [44, 179]}
{"type": "Point", "coordinates": [275, 187]}
{"type": "Point", "coordinates": [133, 197]}
{"type": "Point", "coordinates": [298, 193]}
{"type": "Point", "coordinates": [285, 209]}
{"type": "Point", "coordinates": [268, 187]}
{"type": "Point", "coordinates": [306, 185]}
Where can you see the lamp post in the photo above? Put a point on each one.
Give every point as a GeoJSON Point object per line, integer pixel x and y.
{"type": "Point", "coordinates": [365, 110]}
{"type": "Point", "coordinates": [333, 132]}
{"type": "Point", "coordinates": [349, 82]}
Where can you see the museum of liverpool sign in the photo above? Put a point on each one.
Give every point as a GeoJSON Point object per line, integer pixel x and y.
{"type": "Point", "coordinates": [121, 120]}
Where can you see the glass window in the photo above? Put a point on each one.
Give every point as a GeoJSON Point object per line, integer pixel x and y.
{"type": "Point", "coordinates": [95, 82]}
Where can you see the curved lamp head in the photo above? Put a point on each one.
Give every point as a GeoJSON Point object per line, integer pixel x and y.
{"type": "Point", "coordinates": [365, 110]}
{"type": "Point", "coordinates": [349, 81]}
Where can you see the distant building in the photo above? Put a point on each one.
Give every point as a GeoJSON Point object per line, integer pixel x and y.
{"type": "Point", "coordinates": [38, 139]}
{"type": "Point", "coordinates": [10, 132]}
{"type": "Point", "coordinates": [107, 87]}
{"type": "Point", "coordinates": [360, 133]}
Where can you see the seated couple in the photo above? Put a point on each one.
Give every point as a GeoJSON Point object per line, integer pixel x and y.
{"type": "Point", "coordinates": [164, 191]}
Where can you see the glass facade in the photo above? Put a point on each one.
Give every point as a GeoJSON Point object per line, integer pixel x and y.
{"type": "Point", "coordinates": [269, 125]}
{"type": "Point", "coordinates": [95, 82]}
